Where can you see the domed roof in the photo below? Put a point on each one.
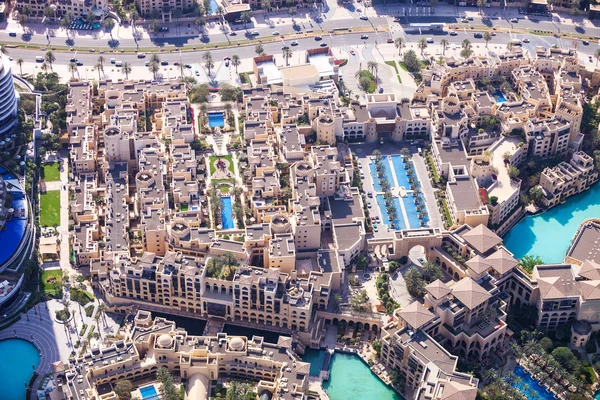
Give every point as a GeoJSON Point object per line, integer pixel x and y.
{"type": "Point", "coordinates": [236, 344]}
{"type": "Point", "coordinates": [164, 341]}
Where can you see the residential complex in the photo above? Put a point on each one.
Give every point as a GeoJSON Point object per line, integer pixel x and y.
{"type": "Point", "coordinates": [9, 98]}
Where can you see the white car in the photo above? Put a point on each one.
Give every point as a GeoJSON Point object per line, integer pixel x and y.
{"type": "Point", "coordinates": [513, 20]}
{"type": "Point", "coordinates": [275, 33]}
{"type": "Point", "coordinates": [294, 43]}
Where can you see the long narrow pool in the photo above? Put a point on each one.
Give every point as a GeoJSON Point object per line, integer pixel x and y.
{"type": "Point", "coordinates": [549, 234]}
{"type": "Point", "coordinates": [19, 358]}
{"type": "Point", "coordinates": [227, 213]}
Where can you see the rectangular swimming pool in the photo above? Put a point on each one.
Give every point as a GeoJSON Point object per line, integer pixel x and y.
{"type": "Point", "coordinates": [216, 119]}
{"type": "Point", "coordinates": [398, 222]}
{"type": "Point", "coordinates": [401, 176]}
{"type": "Point", "coordinates": [499, 97]}
{"type": "Point", "coordinates": [227, 213]}
{"type": "Point", "coordinates": [386, 170]}
{"type": "Point", "coordinates": [411, 212]}
{"type": "Point", "coordinates": [149, 392]}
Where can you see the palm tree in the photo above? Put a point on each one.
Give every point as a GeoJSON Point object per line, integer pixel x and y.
{"type": "Point", "coordinates": [200, 22]}
{"type": "Point", "coordinates": [207, 56]}
{"type": "Point", "coordinates": [22, 20]}
{"type": "Point", "coordinates": [487, 37]}
{"type": "Point", "coordinates": [422, 45]}
{"type": "Point", "coordinates": [481, 4]}
{"type": "Point", "coordinates": [287, 54]}
{"type": "Point", "coordinates": [236, 62]}
{"type": "Point", "coordinates": [444, 43]}
{"type": "Point", "coordinates": [292, 12]}
{"type": "Point", "coordinates": [65, 23]}
{"type": "Point", "coordinates": [259, 50]}
{"type": "Point", "coordinates": [466, 44]}
{"type": "Point", "coordinates": [154, 68]}
{"type": "Point", "coordinates": [371, 66]}
{"type": "Point", "coordinates": [399, 43]}
{"type": "Point", "coordinates": [109, 24]}
{"type": "Point", "coordinates": [20, 64]}
{"type": "Point", "coordinates": [44, 67]}
{"type": "Point", "coordinates": [376, 70]}
{"type": "Point", "coordinates": [597, 54]}
{"type": "Point", "coordinates": [50, 58]}
{"type": "Point", "coordinates": [155, 58]}
{"type": "Point", "coordinates": [126, 69]}
{"type": "Point", "coordinates": [101, 61]}
{"type": "Point", "coordinates": [99, 68]}
{"type": "Point", "coordinates": [245, 17]}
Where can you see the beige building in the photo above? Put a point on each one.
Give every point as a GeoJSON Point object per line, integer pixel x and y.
{"type": "Point", "coordinates": [151, 344]}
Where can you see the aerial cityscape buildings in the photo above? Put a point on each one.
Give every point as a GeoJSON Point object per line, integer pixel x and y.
{"type": "Point", "coordinates": [258, 200]}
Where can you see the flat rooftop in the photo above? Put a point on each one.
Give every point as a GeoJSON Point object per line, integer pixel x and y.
{"type": "Point", "coordinates": [322, 63]}
{"type": "Point", "coordinates": [504, 187]}
{"type": "Point", "coordinates": [586, 243]}
{"type": "Point", "coordinates": [270, 72]}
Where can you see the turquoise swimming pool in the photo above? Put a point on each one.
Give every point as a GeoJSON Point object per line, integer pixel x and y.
{"type": "Point", "coordinates": [216, 119]}
{"type": "Point", "coordinates": [149, 393]}
{"type": "Point", "coordinates": [530, 387]}
{"type": "Point", "coordinates": [351, 378]}
{"type": "Point", "coordinates": [18, 357]}
{"type": "Point", "coordinates": [549, 234]}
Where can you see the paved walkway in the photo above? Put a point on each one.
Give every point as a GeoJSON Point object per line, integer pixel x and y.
{"type": "Point", "coordinates": [435, 218]}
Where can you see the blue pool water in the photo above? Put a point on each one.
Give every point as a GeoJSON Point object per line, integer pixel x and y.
{"type": "Point", "coordinates": [315, 358]}
{"type": "Point", "coordinates": [14, 230]}
{"type": "Point", "coordinates": [214, 6]}
{"type": "Point", "coordinates": [499, 97]}
{"type": "Point", "coordinates": [149, 392]}
{"type": "Point", "coordinates": [399, 222]}
{"type": "Point", "coordinates": [216, 119]}
{"type": "Point", "coordinates": [411, 212]}
{"type": "Point", "coordinates": [15, 369]}
{"type": "Point", "coordinates": [529, 384]}
{"type": "Point", "coordinates": [227, 213]}
{"type": "Point", "coordinates": [549, 234]}
{"type": "Point", "coordinates": [401, 176]}
{"type": "Point", "coordinates": [350, 377]}
{"type": "Point", "coordinates": [388, 174]}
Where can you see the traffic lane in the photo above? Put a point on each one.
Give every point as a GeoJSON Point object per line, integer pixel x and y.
{"type": "Point", "coordinates": [90, 59]}
{"type": "Point", "coordinates": [90, 40]}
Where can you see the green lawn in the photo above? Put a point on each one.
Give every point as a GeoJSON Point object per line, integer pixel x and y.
{"type": "Point", "coordinates": [51, 282]}
{"type": "Point", "coordinates": [393, 64]}
{"type": "Point", "coordinates": [403, 66]}
{"type": "Point", "coordinates": [50, 208]}
{"type": "Point", "coordinates": [51, 172]}
{"type": "Point", "coordinates": [213, 159]}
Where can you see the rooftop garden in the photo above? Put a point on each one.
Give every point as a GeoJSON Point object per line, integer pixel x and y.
{"type": "Point", "coordinates": [222, 267]}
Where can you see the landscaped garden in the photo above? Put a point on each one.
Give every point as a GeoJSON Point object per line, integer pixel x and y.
{"type": "Point", "coordinates": [220, 166]}
{"type": "Point", "coordinates": [50, 208]}
{"type": "Point", "coordinates": [51, 172]}
{"type": "Point", "coordinates": [51, 283]}
{"type": "Point", "coordinates": [82, 297]}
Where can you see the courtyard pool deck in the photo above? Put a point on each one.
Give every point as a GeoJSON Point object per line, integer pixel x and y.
{"type": "Point", "coordinates": [399, 222]}
{"type": "Point", "coordinates": [549, 234]}
{"type": "Point", "coordinates": [216, 119]}
{"type": "Point", "coordinates": [408, 215]}
{"type": "Point", "coordinates": [530, 387]}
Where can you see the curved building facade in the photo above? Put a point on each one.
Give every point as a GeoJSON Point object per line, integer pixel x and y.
{"type": "Point", "coordinates": [8, 97]}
